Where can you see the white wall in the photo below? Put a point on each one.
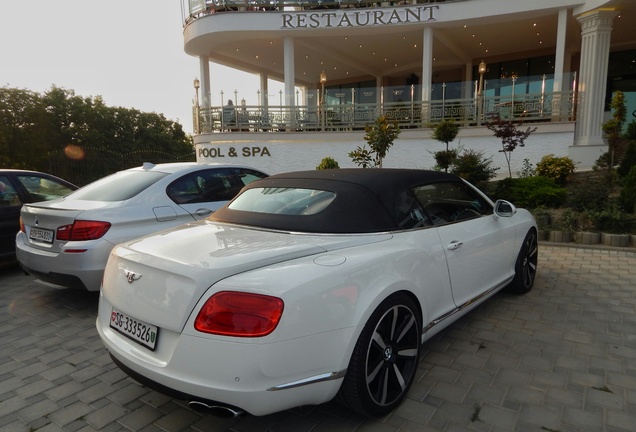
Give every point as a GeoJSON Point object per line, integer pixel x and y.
{"type": "Point", "coordinates": [414, 149]}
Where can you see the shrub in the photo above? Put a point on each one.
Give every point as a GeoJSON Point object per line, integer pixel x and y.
{"type": "Point", "coordinates": [531, 192]}
{"type": "Point", "coordinates": [445, 158]}
{"type": "Point", "coordinates": [591, 194]}
{"type": "Point", "coordinates": [611, 220]}
{"type": "Point", "coordinates": [627, 197]}
{"type": "Point", "coordinates": [567, 221]}
{"type": "Point", "coordinates": [628, 161]}
{"type": "Point", "coordinates": [631, 130]}
{"type": "Point", "coordinates": [472, 166]}
{"type": "Point", "coordinates": [556, 168]}
{"type": "Point", "coordinates": [380, 137]}
{"type": "Point", "coordinates": [328, 163]}
{"type": "Point", "coordinates": [527, 170]}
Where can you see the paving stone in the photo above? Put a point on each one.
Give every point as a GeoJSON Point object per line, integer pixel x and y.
{"type": "Point", "coordinates": [70, 414]}
{"type": "Point", "coordinates": [562, 357]}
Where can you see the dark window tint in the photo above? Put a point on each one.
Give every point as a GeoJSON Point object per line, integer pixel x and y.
{"type": "Point", "coordinates": [43, 188]}
{"type": "Point", "coordinates": [119, 186]}
{"type": "Point", "coordinates": [218, 184]}
{"type": "Point", "coordinates": [409, 212]}
{"type": "Point", "coordinates": [445, 203]}
{"type": "Point", "coordinates": [8, 195]}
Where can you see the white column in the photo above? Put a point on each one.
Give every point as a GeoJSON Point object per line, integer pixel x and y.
{"type": "Point", "coordinates": [559, 104]}
{"type": "Point", "coordinates": [265, 123]}
{"type": "Point", "coordinates": [467, 91]}
{"type": "Point", "coordinates": [290, 78]}
{"type": "Point", "coordinates": [596, 29]}
{"type": "Point", "coordinates": [427, 72]}
{"type": "Point", "coordinates": [559, 56]}
{"type": "Point", "coordinates": [205, 102]}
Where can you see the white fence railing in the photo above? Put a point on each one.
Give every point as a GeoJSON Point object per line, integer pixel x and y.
{"type": "Point", "coordinates": [194, 9]}
{"type": "Point", "coordinates": [528, 108]}
{"type": "Point", "coordinates": [517, 98]}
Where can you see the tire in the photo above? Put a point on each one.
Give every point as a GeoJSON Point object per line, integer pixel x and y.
{"type": "Point", "coordinates": [526, 265]}
{"type": "Point", "coordinates": [385, 358]}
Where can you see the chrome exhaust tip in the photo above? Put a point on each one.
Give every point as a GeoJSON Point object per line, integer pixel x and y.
{"type": "Point", "coordinates": [215, 410]}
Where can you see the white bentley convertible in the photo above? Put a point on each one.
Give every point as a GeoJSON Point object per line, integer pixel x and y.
{"type": "Point", "coordinates": [309, 286]}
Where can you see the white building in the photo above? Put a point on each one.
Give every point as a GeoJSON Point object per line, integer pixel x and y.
{"type": "Point", "coordinates": [343, 63]}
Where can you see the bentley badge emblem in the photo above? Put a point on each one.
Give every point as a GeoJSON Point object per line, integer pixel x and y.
{"type": "Point", "coordinates": [37, 221]}
{"type": "Point", "coordinates": [131, 276]}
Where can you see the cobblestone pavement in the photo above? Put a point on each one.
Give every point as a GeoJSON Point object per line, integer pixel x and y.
{"type": "Point", "coordinates": [561, 358]}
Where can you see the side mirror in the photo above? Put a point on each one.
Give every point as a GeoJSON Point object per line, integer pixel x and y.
{"type": "Point", "coordinates": [504, 208]}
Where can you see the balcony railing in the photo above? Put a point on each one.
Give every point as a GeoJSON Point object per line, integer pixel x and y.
{"type": "Point", "coordinates": [524, 99]}
{"type": "Point", "coordinates": [194, 9]}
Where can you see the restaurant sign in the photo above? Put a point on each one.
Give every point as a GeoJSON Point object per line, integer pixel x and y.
{"type": "Point", "coordinates": [359, 18]}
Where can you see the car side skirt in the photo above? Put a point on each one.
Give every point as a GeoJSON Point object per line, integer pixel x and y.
{"type": "Point", "coordinates": [442, 321]}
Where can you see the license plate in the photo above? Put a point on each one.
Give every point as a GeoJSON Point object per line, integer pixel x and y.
{"type": "Point", "coordinates": [141, 332]}
{"type": "Point", "coordinates": [39, 234]}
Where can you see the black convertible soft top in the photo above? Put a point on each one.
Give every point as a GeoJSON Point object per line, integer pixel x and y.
{"type": "Point", "coordinates": [365, 199]}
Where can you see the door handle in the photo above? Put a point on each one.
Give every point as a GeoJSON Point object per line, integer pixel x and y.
{"type": "Point", "coordinates": [454, 245]}
{"type": "Point", "coordinates": [203, 212]}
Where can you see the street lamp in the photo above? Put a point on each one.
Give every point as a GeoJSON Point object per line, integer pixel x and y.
{"type": "Point", "coordinates": [480, 102]}
{"type": "Point", "coordinates": [197, 107]}
{"type": "Point", "coordinates": [323, 81]}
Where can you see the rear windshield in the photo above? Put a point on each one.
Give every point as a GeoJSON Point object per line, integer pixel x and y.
{"type": "Point", "coordinates": [283, 201]}
{"type": "Point", "coordinates": [119, 186]}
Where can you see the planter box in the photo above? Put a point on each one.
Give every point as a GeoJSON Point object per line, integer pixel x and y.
{"type": "Point", "coordinates": [542, 235]}
{"type": "Point", "coordinates": [560, 236]}
{"type": "Point", "coordinates": [616, 240]}
{"type": "Point", "coordinates": [588, 238]}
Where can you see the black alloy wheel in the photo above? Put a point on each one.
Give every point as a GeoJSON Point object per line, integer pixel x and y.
{"type": "Point", "coordinates": [385, 359]}
{"type": "Point", "coordinates": [526, 265]}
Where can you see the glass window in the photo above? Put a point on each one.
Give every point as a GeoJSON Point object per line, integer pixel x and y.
{"type": "Point", "coordinates": [247, 176]}
{"type": "Point", "coordinates": [283, 201]}
{"type": "Point", "coordinates": [43, 188]}
{"type": "Point", "coordinates": [8, 195]}
{"type": "Point", "coordinates": [119, 186]}
{"type": "Point", "coordinates": [218, 184]}
{"type": "Point", "coordinates": [445, 203]}
{"type": "Point", "coordinates": [409, 211]}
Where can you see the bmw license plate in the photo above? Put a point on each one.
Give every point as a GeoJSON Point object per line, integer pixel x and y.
{"type": "Point", "coordinates": [42, 235]}
{"type": "Point", "coordinates": [141, 332]}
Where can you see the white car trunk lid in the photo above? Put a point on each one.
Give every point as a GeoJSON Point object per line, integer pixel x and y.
{"type": "Point", "coordinates": [160, 278]}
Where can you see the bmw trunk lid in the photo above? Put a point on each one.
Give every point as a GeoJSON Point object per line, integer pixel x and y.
{"type": "Point", "coordinates": [43, 219]}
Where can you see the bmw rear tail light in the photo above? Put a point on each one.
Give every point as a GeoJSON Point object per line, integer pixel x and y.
{"type": "Point", "coordinates": [82, 230]}
{"type": "Point", "coordinates": [231, 313]}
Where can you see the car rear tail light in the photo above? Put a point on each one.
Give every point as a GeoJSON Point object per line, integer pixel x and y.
{"type": "Point", "coordinates": [82, 230]}
{"type": "Point", "coordinates": [231, 313]}
{"type": "Point", "coordinates": [22, 228]}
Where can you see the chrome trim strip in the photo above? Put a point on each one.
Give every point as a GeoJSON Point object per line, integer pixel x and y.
{"type": "Point", "coordinates": [464, 306]}
{"type": "Point", "coordinates": [310, 380]}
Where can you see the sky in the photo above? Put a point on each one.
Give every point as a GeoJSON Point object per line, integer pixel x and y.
{"type": "Point", "coordinates": [129, 52]}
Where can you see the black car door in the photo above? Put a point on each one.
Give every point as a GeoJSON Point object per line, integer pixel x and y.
{"type": "Point", "coordinates": [10, 205]}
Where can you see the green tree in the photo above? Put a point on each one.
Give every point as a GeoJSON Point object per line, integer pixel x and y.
{"type": "Point", "coordinates": [628, 161]}
{"type": "Point", "coordinates": [445, 132]}
{"type": "Point", "coordinates": [472, 166]}
{"type": "Point", "coordinates": [34, 128]}
{"type": "Point", "coordinates": [23, 136]}
{"type": "Point", "coordinates": [511, 136]}
{"type": "Point", "coordinates": [612, 129]}
{"type": "Point", "coordinates": [328, 163]}
{"type": "Point", "coordinates": [380, 137]}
